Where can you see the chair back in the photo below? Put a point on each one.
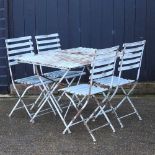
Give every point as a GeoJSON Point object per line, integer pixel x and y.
{"type": "Point", "coordinates": [48, 42]}
{"type": "Point", "coordinates": [132, 57]}
{"type": "Point", "coordinates": [16, 47]}
{"type": "Point", "coordinates": [103, 64]}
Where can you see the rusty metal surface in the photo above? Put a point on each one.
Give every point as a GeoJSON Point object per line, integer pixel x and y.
{"type": "Point", "coordinates": [64, 59]}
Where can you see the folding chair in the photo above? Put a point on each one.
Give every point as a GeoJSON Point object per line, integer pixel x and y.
{"type": "Point", "coordinates": [103, 65]}
{"type": "Point", "coordinates": [51, 43]}
{"type": "Point", "coordinates": [15, 48]}
{"type": "Point", "coordinates": [130, 59]}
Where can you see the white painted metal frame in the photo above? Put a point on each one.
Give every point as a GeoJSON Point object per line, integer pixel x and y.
{"type": "Point", "coordinates": [18, 47]}
{"type": "Point", "coordinates": [130, 58]}
{"type": "Point", "coordinates": [103, 65]}
{"type": "Point", "coordinates": [67, 60]}
{"type": "Point", "coordinates": [51, 43]}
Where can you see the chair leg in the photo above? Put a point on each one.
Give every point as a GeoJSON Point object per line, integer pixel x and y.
{"type": "Point", "coordinates": [129, 100]}
{"type": "Point", "coordinates": [82, 118]}
{"type": "Point", "coordinates": [77, 114]}
{"type": "Point", "coordinates": [140, 118]}
{"type": "Point", "coordinates": [114, 111]}
{"type": "Point", "coordinates": [20, 100]}
{"type": "Point", "coordinates": [103, 112]}
{"type": "Point", "coordinates": [126, 97]}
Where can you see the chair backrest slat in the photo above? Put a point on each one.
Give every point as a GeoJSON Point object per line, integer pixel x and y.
{"type": "Point", "coordinates": [48, 42]}
{"type": "Point", "coordinates": [132, 57]}
{"type": "Point", "coordinates": [100, 69]}
{"type": "Point", "coordinates": [104, 62]}
{"type": "Point", "coordinates": [132, 53]}
{"type": "Point", "coordinates": [133, 66]}
{"type": "Point", "coordinates": [138, 43]}
{"type": "Point", "coordinates": [102, 75]}
{"type": "Point", "coordinates": [47, 36]}
{"type": "Point", "coordinates": [18, 46]}
{"type": "Point", "coordinates": [22, 50]}
{"type": "Point", "coordinates": [47, 47]}
{"type": "Point", "coordinates": [135, 49]}
{"type": "Point", "coordinates": [18, 39]}
{"type": "Point", "coordinates": [130, 61]}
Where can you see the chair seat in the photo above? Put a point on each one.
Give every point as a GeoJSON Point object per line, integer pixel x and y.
{"type": "Point", "coordinates": [116, 82]}
{"type": "Point", "coordinates": [83, 89]}
{"type": "Point", "coordinates": [32, 80]}
{"type": "Point", "coordinates": [58, 74]}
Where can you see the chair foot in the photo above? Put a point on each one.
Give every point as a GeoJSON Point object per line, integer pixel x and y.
{"type": "Point", "coordinates": [32, 121]}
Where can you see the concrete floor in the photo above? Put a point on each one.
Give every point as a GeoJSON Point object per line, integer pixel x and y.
{"type": "Point", "coordinates": [19, 137]}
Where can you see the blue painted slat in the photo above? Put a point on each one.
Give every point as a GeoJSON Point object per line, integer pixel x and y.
{"type": "Point", "coordinates": [96, 23]}
{"type": "Point", "coordinates": [18, 31]}
{"type": "Point", "coordinates": [150, 40]}
{"type": "Point", "coordinates": [85, 22]}
{"type": "Point", "coordinates": [52, 16]}
{"type": "Point", "coordinates": [74, 24]}
{"type": "Point", "coordinates": [140, 32]}
{"type": "Point", "coordinates": [119, 22]}
{"type": "Point", "coordinates": [29, 17]}
{"type": "Point", "coordinates": [40, 15]}
{"type": "Point", "coordinates": [3, 56]}
{"type": "Point", "coordinates": [91, 23]}
{"type": "Point", "coordinates": [63, 23]}
{"type": "Point", "coordinates": [107, 25]}
{"type": "Point", "coordinates": [129, 21]}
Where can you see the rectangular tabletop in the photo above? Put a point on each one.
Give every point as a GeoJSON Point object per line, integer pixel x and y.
{"type": "Point", "coordinates": [63, 59]}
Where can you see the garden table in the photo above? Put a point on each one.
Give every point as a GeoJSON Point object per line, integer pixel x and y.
{"type": "Point", "coordinates": [60, 59]}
